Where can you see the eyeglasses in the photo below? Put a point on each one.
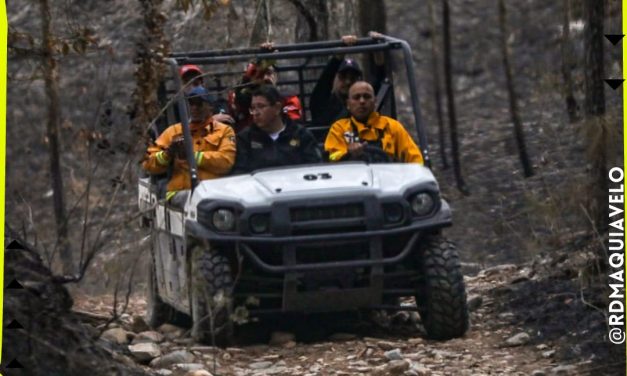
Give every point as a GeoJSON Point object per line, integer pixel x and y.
{"type": "Point", "coordinates": [259, 108]}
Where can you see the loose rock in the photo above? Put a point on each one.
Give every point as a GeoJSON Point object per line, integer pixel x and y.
{"type": "Point", "coordinates": [144, 352]}
{"type": "Point", "coordinates": [188, 366]}
{"type": "Point", "coordinates": [201, 372]}
{"type": "Point", "coordinates": [116, 335]}
{"type": "Point", "coordinates": [393, 354]}
{"type": "Point", "coordinates": [139, 325]}
{"type": "Point", "coordinates": [538, 373]}
{"type": "Point", "coordinates": [179, 356]}
{"type": "Point", "coordinates": [396, 367]}
{"type": "Point", "coordinates": [148, 336]}
{"type": "Point", "coordinates": [518, 340]}
{"type": "Point", "coordinates": [259, 365]}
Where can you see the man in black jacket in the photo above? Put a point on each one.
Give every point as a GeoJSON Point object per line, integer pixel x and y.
{"type": "Point", "coordinates": [328, 98]}
{"type": "Point", "coordinates": [272, 140]}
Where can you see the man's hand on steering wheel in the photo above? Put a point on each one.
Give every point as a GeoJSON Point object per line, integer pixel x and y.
{"type": "Point", "coordinates": [356, 149]}
{"type": "Point", "coordinates": [374, 154]}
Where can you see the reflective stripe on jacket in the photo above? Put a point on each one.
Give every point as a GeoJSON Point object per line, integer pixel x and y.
{"type": "Point", "coordinates": [396, 142]}
{"type": "Point", "coordinates": [214, 147]}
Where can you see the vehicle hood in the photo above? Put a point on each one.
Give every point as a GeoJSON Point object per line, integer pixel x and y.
{"type": "Point", "coordinates": [315, 181]}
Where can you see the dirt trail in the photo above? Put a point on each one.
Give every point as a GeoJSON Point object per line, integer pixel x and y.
{"type": "Point", "coordinates": [350, 345]}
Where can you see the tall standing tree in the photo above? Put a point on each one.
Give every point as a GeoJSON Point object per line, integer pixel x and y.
{"type": "Point", "coordinates": [594, 107]}
{"type": "Point", "coordinates": [262, 28]}
{"type": "Point", "coordinates": [372, 17]}
{"type": "Point", "coordinates": [51, 79]}
{"type": "Point", "coordinates": [313, 20]}
{"type": "Point", "coordinates": [566, 52]}
{"type": "Point", "coordinates": [437, 92]}
{"type": "Point", "coordinates": [450, 96]}
{"type": "Point", "coordinates": [513, 96]}
{"type": "Point", "coordinates": [150, 67]}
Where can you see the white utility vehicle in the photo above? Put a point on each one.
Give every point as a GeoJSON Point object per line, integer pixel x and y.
{"type": "Point", "coordinates": [309, 238]}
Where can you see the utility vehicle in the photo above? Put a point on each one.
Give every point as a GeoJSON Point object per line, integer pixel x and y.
{"type": "Point", "coordinates": [310, 238]}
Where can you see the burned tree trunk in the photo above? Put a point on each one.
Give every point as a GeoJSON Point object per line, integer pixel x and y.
{"type": "Point", "coordinates": [594, 106]}
{"type": "Point", "coordinates": [313, 16]}
{"type": "Point", "coordinates": [569, 96]}
{"type": "Point", "coordinates": [51, 79]}
{"type": "Point", "coordinates": [435, 65]}
{"type": "Point", "coordinates": [151, 50]}
{"type": "Point", "coordinates": [371, 18]}
{"type": "Point", "coordinates": [513, 97]}
{"type": "Point", "coordinates": [450, 96]}
{"type": "Point", "coordinates": [261, 28]}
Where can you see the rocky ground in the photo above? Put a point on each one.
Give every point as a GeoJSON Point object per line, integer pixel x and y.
{"type": "Point", "coordinates": [525, 320]}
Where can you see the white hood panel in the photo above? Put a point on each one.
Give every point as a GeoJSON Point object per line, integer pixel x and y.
{"type": "Point", "coordinates": [314, 181]}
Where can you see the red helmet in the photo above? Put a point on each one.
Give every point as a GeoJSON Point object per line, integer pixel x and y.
{"type": "Point", "coordinates": [190, 68]}
{"type": "Point", "coordinates": [257, 68]}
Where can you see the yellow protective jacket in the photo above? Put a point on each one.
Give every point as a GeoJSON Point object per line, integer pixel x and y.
{"type": "Point", "coordinates": [396, 142]}
{"type": "Point", "coordinates": [214, 147]}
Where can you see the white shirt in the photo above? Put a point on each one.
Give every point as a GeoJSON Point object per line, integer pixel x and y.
{"type": "Point", "coordinates": [275, 135]}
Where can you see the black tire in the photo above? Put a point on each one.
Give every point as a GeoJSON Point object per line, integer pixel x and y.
{"type": "Point", "coordinates": [157, 312]}
{"type": "Point", "coordinates": [211, 276]}
{"type": "Point", "coordinates": [440, 293]}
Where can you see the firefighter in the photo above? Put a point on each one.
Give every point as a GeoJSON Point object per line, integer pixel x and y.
{"type": "Point", "coordinates": [363, 133]}
{"type": "Point", "coordinates": [257, 73]}
{"type": "Point", "coordinates": [213, 143]}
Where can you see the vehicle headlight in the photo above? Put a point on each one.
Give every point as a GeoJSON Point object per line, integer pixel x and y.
{"type": "Point", "coordinates": [259, 223]}
{"type": "Point", "coordinates": [223, 219]}
{"type": "Point", "coordinates": [422, 204]}
{"type": "Point", "coordinates": [393, 213]}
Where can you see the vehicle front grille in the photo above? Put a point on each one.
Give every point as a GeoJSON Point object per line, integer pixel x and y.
{"type": "Point", "coordinates": [318, 213]}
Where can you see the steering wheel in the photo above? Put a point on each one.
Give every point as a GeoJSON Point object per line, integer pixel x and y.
{"type": "Point", "coordinates": [373, 154]}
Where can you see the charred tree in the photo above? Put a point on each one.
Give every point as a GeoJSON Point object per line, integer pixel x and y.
{"type": "Point", "coordinates": [450, 96]}
{"type": "Point", "coordinates": [513, 97]}
{"type": "Point", "coordinates": [51, 79]}
{"type": "Point", "coordinates": [150, 67]}
{"type": "Point", "coordinates": [594, 106]}
{"type": "Point", "coordinates": [567, 60]}
{"type": "Point", "coordinates": [262, 29]}
{"type": "Point", "coordinates": [371, 15]}
{"type": "Point", "coordinates": [437, 92]}
{"type": "Point", "coordinates": [313, 16]}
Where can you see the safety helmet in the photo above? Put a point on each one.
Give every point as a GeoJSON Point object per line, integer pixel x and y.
{"type": "Point", "coordinates": [256, 68]}
{"type": "Point", "coordinates": [190, 68]}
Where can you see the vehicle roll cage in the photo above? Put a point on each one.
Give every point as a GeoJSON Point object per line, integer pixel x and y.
{"type": "Point", "coordinates": [306, 50]}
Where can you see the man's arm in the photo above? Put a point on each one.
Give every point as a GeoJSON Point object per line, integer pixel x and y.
{"type": "Point", "coordinates": [309, 147]}
{"type": "Point", "coordinates": [406, 149]}
{"type": "Point", "coordinates": [242, 155]}
{"type": "Point", "coordinates": [157, 157]}
{"type": "Point", "coordinates": [219, 161]}
{"type": "Point", "coordinates": [335, 144]}
{"type": "Point", "coordinates": [324, 85]}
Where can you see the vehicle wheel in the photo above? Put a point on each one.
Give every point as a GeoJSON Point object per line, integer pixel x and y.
{"type": "Point", "coordinates": [157, 312]}
{"type": "Point", "coordinates": [212, 285]}
{"type": "Point", "coordinates": [440, 293]}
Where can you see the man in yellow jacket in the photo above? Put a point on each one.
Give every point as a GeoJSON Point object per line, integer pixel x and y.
{"type": "Point", "coordinates": [351, 137]}
{"type": "Point", "coordinates": [214, 147]}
